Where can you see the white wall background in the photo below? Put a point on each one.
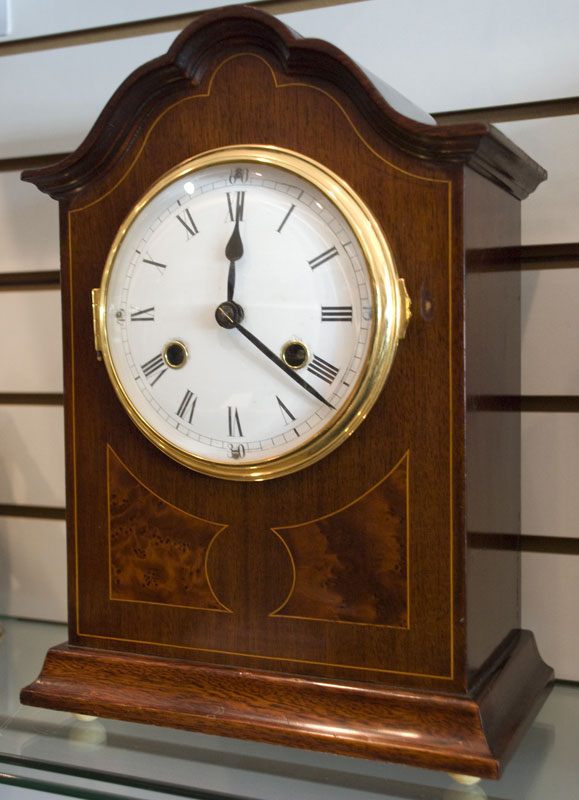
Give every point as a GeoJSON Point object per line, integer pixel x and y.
{"type": "Point", "coordinates": [442, 54]}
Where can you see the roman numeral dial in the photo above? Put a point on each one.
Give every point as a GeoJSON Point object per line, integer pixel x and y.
{"type": "Point", "coordinates": [241, 313]}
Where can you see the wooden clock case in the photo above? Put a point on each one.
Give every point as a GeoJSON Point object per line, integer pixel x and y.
{"type": "Point", "coordinates": [368, 605]}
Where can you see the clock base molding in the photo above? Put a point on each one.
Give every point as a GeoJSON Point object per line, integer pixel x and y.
{"type": "Point", "coordinates": [471, 734]}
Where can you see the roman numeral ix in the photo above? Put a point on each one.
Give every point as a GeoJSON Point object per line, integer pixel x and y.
{"type": "Point", "coordinates": [143, 315]}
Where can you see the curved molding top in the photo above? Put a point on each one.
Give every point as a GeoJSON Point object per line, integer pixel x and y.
{"type": "Point", "coordinates": [216, 35]}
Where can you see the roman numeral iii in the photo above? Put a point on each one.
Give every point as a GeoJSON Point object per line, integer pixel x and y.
{"type": "Point", "coordinates": [336, 313]}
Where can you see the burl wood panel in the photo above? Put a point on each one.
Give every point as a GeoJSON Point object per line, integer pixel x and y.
{"type": "Point", "coordinates": [158, 552]}
{"type": "Point", "coordinates": [352, 565]}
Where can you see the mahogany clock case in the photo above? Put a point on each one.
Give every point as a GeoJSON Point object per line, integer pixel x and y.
{"type": "Point", "coordinates": [347, 607]}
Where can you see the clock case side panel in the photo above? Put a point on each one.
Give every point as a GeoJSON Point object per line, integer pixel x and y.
{"type": "Point", "coordinates": [70, 432]}
{"type": "Point", "coordinates": [493, 440]}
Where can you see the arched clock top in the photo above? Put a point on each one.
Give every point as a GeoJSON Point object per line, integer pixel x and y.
{"type": "Point", "coordinates": [193, 58]}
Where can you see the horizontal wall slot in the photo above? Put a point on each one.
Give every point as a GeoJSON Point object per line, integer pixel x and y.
{"type": "Point", "coordinates": [554, 404]}
{"type": "Point", "coordinates": [46, 279]}
{"type": "Point", "coordinates": [556, 545]}
{"type": "Point", "coordinates": [560, 107]}
{"type": "Point", "coordinates": [32, 512]}
{"type": "Point", "coordinates": [31, 399]}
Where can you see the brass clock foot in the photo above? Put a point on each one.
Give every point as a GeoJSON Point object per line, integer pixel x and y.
{"type": "Point", "coordinates": [86, 731]}
{"type": "Point", "coordinates": [464, 780]}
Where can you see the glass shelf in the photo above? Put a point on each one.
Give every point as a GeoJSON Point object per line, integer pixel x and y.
{"type": "Point", "coordinates": [54, 752]}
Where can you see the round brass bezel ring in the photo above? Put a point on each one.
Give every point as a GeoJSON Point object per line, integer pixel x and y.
{"type": "Point", "coordinates": [387, 311]}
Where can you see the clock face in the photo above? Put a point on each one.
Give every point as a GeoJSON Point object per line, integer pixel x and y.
{"type": "Point", "coordinates": [249, 312]}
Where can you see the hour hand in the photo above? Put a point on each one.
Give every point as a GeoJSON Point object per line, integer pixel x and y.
{"type": "Point", "coordinates": [233, 252]}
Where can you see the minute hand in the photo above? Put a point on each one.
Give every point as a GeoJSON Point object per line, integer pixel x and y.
{"type": "Point", "coordinates": [281, 364]}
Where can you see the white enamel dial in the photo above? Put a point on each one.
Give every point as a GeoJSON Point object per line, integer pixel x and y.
{"type": "Point", "coordinates": [245, 323]}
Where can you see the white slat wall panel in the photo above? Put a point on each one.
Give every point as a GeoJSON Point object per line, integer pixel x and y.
{"type": "Point", "coordinates": [31, 18]}
{"type": "Point", "coordinates": [517, 52]}
{"type": "Point", "coordinates": [551, 213]}
{"type": "Point", "coordinates": [32, 455]}
{"type": "Point", "coordinates": [30, 341]}
{"type": "Point", "coordinates": [549, 591]}
{"type": "Point", "coordinates": [452, 54]}
{"type": "Point", "coordinates": [550, 472]}
{"type": "Point", "coordinates": [28, 226]}
{"type": "Point", "coordinates": [38, 87]}
{"type": "Point", "coordinates": [33, 568]}
{"type": "Point", "coordinates": [550, 330]}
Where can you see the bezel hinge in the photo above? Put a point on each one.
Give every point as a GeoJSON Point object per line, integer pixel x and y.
{"type": "Point", "coordinates": [95, 296]}
{"type": "Point", "coordinates": [405, 308]}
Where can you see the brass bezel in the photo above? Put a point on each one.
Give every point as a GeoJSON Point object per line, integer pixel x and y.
{"type": "Point", "coordinates": [389, 318]}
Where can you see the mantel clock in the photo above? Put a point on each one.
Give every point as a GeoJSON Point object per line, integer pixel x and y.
{"type": "Point", "coordinates": [291, 329]}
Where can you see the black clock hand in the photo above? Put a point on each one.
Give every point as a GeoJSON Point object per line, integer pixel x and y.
{"type": "Point", "coordinates": [228, 316]}
{"type": "Point", "coordinates": [233, 252]}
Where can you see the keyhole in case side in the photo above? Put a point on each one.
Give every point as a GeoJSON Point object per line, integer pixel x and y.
{"type": "Point", "coordinates": [250, 571]}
